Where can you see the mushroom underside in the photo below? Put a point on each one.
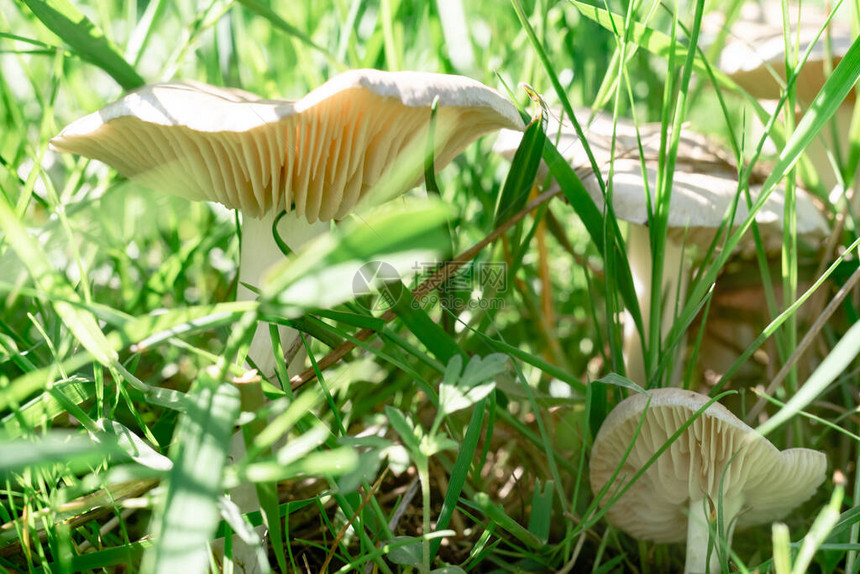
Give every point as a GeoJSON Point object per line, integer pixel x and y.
{"type": "Point", "coordinates": [320, 163]}
{"type": "Point", "coordinates": [713, 458]}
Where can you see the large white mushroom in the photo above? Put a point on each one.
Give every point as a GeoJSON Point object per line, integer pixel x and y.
{"type": "Point", "coordinates": [317, 158]}
{"type": "Point", "coordinates": [360, 137]}
{"type": "Point", "coordinates": [716, 460]}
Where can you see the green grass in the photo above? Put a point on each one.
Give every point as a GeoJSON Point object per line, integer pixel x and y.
{"type": "Point", "coordinates": [448, 436]}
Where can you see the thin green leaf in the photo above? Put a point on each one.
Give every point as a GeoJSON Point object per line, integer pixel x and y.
{"type": "Point", "coordinates": [416, 319]}
{"type": "Point", "coordinates": [592, 219]}
{"type": "Point", "coordinates": [139, 451]}
{"type": "Point", "coordinates": [845, 351]}
{"type": "Point", "coordinates": [541, 514]}
{"type": "Point", "coordinates": [76, 452]}
{"type": "Point", "coordinates": [187, 516]}
{"type": "Point", "coordinates": [334, 462]}
{"type": "Point", "coordinates": [86, 39]}
{"type": "Point", "coordinates": [537, 362]}
{"type": "Point", "coordinates": [429, 151]}
{"type": "Point", "coordinates": [410, 436]}
{"type": "Point", "coordinates": [781, 548]}
{"type": "Point", "coordinates": [497, 514]}
{"type": "Point", "coordinates": [821, 528]}
{"type": "Point", "coordinates": [523, 171]}
{"type": "Point", "coordinates": [621, 381]}
{"type": "Point", "coordinates": [460, 471]}
{"type": "Point", "coordinates": [124, 555]}
{"type": "Point", "coordinates": [352, 319]}
{"type": "Point", "coordinates": [245, 531]}
{"type": "Point", "coordinates": [45, 406]}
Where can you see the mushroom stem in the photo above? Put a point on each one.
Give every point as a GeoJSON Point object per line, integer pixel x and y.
{"type": "Point", "coordinates": [259, 252]}
{"type": "Point", "coordinates": [673, 289]}
{"type": "Point", "coordinates": [699, 531]}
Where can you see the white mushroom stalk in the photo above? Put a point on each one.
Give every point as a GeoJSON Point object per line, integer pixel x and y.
{"type": "Point", "coordinates": [315, 158]}
{"type": "Point", "coordinates": [259, 252]}
{"type": "Point", "coordinates": [717, 466]}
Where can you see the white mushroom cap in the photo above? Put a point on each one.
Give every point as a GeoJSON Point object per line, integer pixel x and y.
{"type": "Point", "coordinates": [700, 200]}
{"type": "Point", "coordinates": [317, 156]}
{"type": "Point", "coordinates": [693, 147]}
{"type": "Point", "coordinates": [704, 183]}
{"type": "Point", "coordinates": [764, 483]}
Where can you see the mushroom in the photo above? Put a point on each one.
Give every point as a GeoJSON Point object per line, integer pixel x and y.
{"type": "Point", "coordinates": [718, 463]}
{"type": "Point", "coordinates": [360, 137]}
{"type": "Point", "coordinates": [700, 201]}
{"type": "Point", "coordinates": [704, 186]}
{"type": "Point", "coordinates": [754, 58]}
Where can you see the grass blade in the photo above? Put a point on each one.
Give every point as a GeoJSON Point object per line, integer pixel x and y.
{"type": "Point", "coordinates": [845, 351]}
{"type": "Point", "coordinates": [524, 168]}
{"type": "Point", "coordinates": [416, 319]}
{"type": "Point", "coordinates": [465, 456]}
{"type": "Point", "coordinates": [541, 514]}
{"type": "Point", "coordinates": [188, 514]}
{"type": "Point", "coordinates": [75, 451]}
{"type": "Point", "coordinates": [86, 39]}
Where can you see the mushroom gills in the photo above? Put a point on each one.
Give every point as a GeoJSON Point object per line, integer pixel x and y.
{"type": "Point", "coordinates": [716, 458]}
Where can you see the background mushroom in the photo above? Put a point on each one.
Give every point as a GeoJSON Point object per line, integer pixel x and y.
{"type": "Point", "coordinates": [754, 57]}
{"type": "Point", "coordinates": [362, 133]}
{"type": "Point", "coordinates": [716, 458]}
{"type": "Point", "coordinates": [704, 186]}
{"type": "Point", "coordinates": [754, 54]}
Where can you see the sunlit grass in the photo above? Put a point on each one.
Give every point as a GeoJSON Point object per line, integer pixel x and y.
{"type": "Point", "coordinates": [118, 329]}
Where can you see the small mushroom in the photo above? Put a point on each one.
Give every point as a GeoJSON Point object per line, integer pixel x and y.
{"type": "Point", "coordinates": [717, 463]}
{"type": "Point", "coordinates": [704, 186]}
{"type": "Point", "coordinates": [315, 158]}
